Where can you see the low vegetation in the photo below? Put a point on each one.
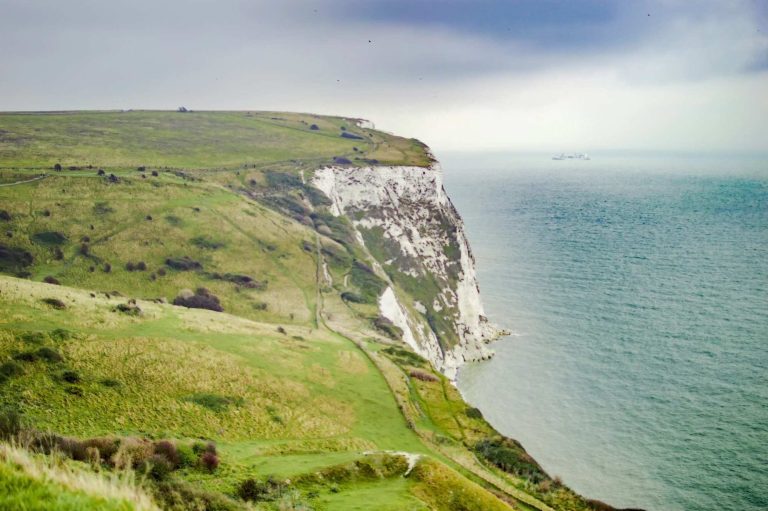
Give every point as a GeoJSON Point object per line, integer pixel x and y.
{"type": "Point", "coordinates": [186, 326]}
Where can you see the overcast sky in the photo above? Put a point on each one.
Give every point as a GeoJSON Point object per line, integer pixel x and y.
{"type": "Point", "coordinates": [458, 74]}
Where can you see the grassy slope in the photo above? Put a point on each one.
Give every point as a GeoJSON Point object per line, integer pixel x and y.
{"type": "Point", "coordinates": [39, 483]}
{"type": "Point", "coordinates": [316, 395]}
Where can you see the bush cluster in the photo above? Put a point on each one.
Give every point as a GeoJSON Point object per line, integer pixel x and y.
{"type": "Point", "coordinates": [140, 266]}
{"type": "Point", "coordinates": [184, 263]}
{"type": "Point", "coordinates": [388, 328]}
{"type": "Point", "coordinates": [207, 243]}
{"type": "Point", "coordinates": [55, 303]}
{"type": "Point", "coordinates": [130, 309]}
{"type": "Point", "coordinates": [423, 376]}
{"type": "Point", "coordinates": [509, 455]}
{"type": "Point", "coordinates": [239, 279]}
{"type": "Point", "coordinates": [200, 299]}
{"type": "Point", "coordinates": [365, 279]}
{"type": "Point", "coordinates": [405, 357]}
{"type": "Point", "coordinates": [10, 370]}
{"type": "Point", "coordinates": [473, 413]}
{"type": "Point", "coordinates": [15, 260]}
{"type": "Point", "coordinates": [349, 296]}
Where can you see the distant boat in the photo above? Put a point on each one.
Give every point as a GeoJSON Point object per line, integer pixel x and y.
{"type": "Point", "coordinates": [574, 156]}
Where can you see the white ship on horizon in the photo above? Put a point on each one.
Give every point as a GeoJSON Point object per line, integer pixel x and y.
{"type": "Point", "coordinates": [574, 156]}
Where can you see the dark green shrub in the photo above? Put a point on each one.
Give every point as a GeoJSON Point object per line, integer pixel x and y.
{"type": "Point", "coordinates": [5, 216]}
{"type": "Point", "coordinates": [252, 490]}
{"type": "Point", "coordinates": [129, 309]}
{"type": "Point", "coordinates": [351, 297]}
{"type": "Point", "coordinates": [10, 422]}
{"type": "Point", "coordinates": [26, 356]}
{"type": "Point", "coordinates": [70, 376]}
{"type": "Point", "coordinates": [207, 243]}
{"type": "Point", "coordinates": [49, 355]}
{"type": "Point", "coordinates": [49, 238]}
{"type": "Point", "coordinates": [55, 303]}
{"type": "Point", "coordinates": [404, 356]}
{"type": "Point", "coordinates": [61, 334]}
{"type": "Point", "coordinates": [10, 370]}
{"type": "Point", "coordinates": [370, 285]}
{"type": "Point", "coordinates": [509, 455]}
{"type": "Point", "coordinates": [388, 328]}
{"type": "Point", "coordinates": [283, 180]}
{"type": "Point", "coordinates": [187, 456]}
{"type": "Point", "coordinates": [157, 467]}
{"type": "Point", "coordinates": [316, 197]}
{"type": "Point", "coordinates": [473, 413]}
{"type": "Point", "coordinates": [598, 505]}
{"type": "Point", "coordinates": [74, 390]}
{"type": "Point", "coordinates": [111, 383]}
{"type": "Point", "coordinates": [183, 263]}
{"type": "Point", "coordinates": [14, 260]}
{"type": "Point", "coordinates": [202, 299]}
{"type": "Point", "coordinates": [241, 280]}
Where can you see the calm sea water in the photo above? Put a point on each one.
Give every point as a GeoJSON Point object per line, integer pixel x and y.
{"type": "Point", "coordinates": [637, 288]}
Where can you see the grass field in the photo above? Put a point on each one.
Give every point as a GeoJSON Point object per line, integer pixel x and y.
{"type": "Point", "coordinates": [178, 331]}
{"type": "Point", "coordinates": [192, 140]}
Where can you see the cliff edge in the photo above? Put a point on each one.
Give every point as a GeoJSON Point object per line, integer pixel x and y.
{"type": "Point", "coordinates": [407, 223]}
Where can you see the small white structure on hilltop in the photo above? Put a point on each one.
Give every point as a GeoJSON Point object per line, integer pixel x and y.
{"type": "Point", "coordinates": [365, 123]}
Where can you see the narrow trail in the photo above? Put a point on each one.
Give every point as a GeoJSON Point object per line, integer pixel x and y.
{"type": "Point", "coordinates": [38, 178]}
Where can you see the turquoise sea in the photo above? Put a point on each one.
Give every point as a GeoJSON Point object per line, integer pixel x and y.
{"type": "Point", "coordinates": [637, 290]}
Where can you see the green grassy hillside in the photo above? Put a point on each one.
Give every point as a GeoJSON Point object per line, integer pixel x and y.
{"type": "Point", "coordinates": [169, 332]}
{"type": "Point", "coordinates": [191, 140]}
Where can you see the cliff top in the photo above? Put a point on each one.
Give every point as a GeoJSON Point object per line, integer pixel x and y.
{"type": "Point", "coordinates": [195, 140]}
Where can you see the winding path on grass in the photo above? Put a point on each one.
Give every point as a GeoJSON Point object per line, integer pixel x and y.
{"type": "Point", "coordinates": [38, 178]}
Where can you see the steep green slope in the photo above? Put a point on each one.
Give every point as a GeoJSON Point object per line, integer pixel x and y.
{"type": "Point", "coordinates": [177, 321]}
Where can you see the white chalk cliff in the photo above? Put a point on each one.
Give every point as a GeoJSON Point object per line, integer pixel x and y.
{"type": "Point", "coordinates": [409, 225]}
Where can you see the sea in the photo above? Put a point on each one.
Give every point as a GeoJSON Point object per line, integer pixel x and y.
{"type": "Point", "coordinates": [636, 290]}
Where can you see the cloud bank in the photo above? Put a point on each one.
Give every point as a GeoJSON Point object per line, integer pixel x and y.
{"type": "Point", "coordinates": [459, 74]}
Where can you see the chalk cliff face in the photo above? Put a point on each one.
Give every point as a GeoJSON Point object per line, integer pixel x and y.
{"type": "Point", "coordinates": [406, 221]}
